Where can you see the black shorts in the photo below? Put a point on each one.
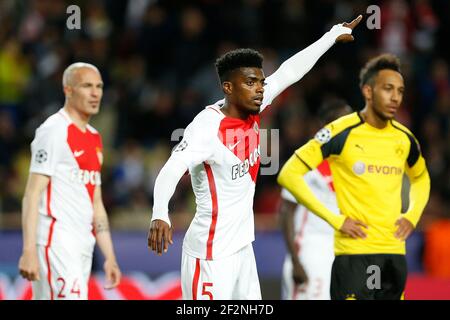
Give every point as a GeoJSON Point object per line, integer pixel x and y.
{"type": "Point", "coordinates": [368, 277]}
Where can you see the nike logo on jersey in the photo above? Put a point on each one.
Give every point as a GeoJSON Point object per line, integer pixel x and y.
{"type": "Point", "coordinates": [78, 153]}
{"type": "Point", "coordinates": [358, 146]}
{"type": "Point", "coordinates": [232, 146]}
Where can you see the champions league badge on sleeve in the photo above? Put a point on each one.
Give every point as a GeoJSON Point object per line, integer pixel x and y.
{"type": "Point", "coordinates": [41, 156]}
{"type": "Point", "coordinates": [323, 136]}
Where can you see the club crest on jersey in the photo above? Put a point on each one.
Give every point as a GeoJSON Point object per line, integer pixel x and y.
{"type": "Point", "coordinates": [323, 135]}
{"type": "Point", "coordinates": [41, 156]}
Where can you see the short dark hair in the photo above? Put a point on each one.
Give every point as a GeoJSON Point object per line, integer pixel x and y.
{"type": "Point", "coordinates": [239, 58]}
{"type": "Point", "coordinates": [373, 66]}
{"type": "Point", "coordinates": [330, 109]}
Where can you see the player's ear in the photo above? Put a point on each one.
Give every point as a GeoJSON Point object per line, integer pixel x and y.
{"type": "Point", "coordinates": [227, 87]}
{"type": "Point", "coordinates": [367, 92]}
{"type": "Point", "coordinates": [67, 91]}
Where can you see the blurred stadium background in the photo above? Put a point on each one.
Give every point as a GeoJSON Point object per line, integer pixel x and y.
{"type": "Point", "coordinates": [156, 58]}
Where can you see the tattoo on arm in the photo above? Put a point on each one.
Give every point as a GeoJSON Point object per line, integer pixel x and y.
{"type": "Point", "coordinates": [101, 226]}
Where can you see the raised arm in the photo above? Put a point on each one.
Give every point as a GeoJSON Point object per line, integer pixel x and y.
{"type": "Point", "coordinates": [293, 69]}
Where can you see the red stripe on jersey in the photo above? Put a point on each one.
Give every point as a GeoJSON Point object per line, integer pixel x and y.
{"type": "Point", "coordinates": [215, 208]}
{"type": "Point", "coordinates": [325, 171]}
{"type": "Point", "coordinates": [195, 280]}
{"type": "Point", "coordinates": [49, 240]}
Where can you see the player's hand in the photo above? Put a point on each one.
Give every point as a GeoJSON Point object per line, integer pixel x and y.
{"type": "Point", "coordinates": [159, 236]}
{"type": "Point", "coordinates": [405, 228]}
{"type": "Point", "coordinates": [29, 265]}
{"type": "Point", "coordinates": [353, 228]}
{"type": "Point", "coordinates": [112, 272]}
{"type": "Point", "coordinates": [351, 25]}
{"type": "Point", "coordinates": [298, 273]}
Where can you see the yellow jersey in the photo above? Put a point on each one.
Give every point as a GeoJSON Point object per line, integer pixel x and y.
{"type": "Point", "coordinates": [367, 166]}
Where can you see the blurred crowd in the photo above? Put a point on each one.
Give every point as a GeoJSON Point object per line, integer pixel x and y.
{"type": "Point", "coordinates": [157, 62]}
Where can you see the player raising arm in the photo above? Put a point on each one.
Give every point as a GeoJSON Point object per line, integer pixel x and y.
{"type": "Point", "coordinates": [220, 148]}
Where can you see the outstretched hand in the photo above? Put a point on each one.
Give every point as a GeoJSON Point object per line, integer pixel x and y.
{"type": "Point", "coordinates": [159, 236]}
{"type": "Point", "coordinates": [351, 25]}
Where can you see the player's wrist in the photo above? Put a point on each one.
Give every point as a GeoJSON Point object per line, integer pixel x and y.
{"type": "Point", "coordinates": [161, 215]}
{"type": "Point", "coordinates": [336, 31]}
{"type": "Point", "coordinates": [338, 222]}
{"type": "Point", "coordinates": [408, 217]}
{"type": "Point", "coordinates": [29, 249]}
{"type": "Point", "coordinates": [111, 260]}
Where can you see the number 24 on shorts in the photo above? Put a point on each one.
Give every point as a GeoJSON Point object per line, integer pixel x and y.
{"type": "Point", "coordinates": [75, 290]}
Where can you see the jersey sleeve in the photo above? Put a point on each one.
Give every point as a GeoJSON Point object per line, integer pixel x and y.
{"type": "Point", "coordinates": [286, 195]}
{"type": "Point", "coordinates": [415, 163]}
{"type": "Point", "coordinates": [317, 149]}
{"type": "Point", "coordinates": [328, 141]}
{"type": "Point", "coordinates": [197, 144]}
{"type": "Point", "coordinates": [45, 151]}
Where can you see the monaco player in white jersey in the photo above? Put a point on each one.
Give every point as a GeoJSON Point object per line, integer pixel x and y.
{"type": "Point", "coordinates": [63, 213]}
{"type": "Point", "coordinates": [220, 148]}
{"type": "Point", "coordinates": [309, 239]}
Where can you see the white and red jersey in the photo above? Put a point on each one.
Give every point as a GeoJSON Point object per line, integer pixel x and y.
{"type": "Point", "coordinates": [223, 157]}
{"type": "Point", "coordinates": [72, 159]}
{"type": "Point", "coordinates": [314, 240]}
{"type": "Point", "coordinates": [309, 228]}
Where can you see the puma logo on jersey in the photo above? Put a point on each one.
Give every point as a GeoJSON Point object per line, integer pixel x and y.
{"type": "Point", "coordinates": [78, 153]}
{"type": "Point", "coordinates": [86, 177]}
{"type": "Point", "coordinates": [232, 146]}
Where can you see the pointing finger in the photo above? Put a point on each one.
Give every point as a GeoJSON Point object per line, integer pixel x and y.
{"type": "Point", "coordinates": [354, 23]}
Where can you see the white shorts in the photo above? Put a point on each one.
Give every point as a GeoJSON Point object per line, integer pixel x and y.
{"type": "Point", "coordinates": [64, 274]}
{"type": "Point", "coordinates": [317, 262]}
{"type": "Point", "coordinates": [233, 277]}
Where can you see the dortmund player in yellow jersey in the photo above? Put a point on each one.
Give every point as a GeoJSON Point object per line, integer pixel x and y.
{"type": "Point", "coordinates": [368, 152]}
